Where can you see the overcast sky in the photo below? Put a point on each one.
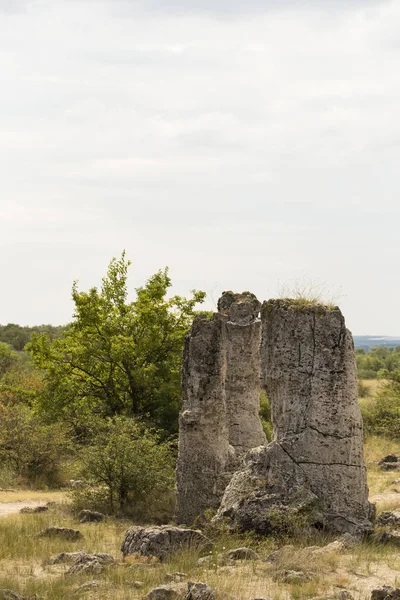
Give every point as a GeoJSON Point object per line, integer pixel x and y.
{"type": "Point", "coordinates": [243, 145]}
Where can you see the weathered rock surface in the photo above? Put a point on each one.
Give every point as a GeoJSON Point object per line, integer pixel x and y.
{"type": "Point", "coordinates": [315, 465]}
{"type": "Point", "coordinates": [162, 541]}
{"type": "Point", "coordinates": [221, 396]}
{"type": "Point", "coordinates": [31, 510]}
{"type": "Point", "coordinates": [385, 592]}
{"type": "Point", "coordinates": [88, 586]}
{"type": "Point", "coordinates": [167, 592]}
{"type": "Point", "coordinates": [199, 591]}
{"type": "Point", "coordinates": [80, 556]}
{"type": "Point", "coordinates": [391, 462]}
{"type": "Point", "coordinates": [391, 518]}
{"type": "Point", "coordinates": [62, 532]}
{"type": "Point", "coordinates": [242, 554]}
{"type": "Point", "coordinates": [90, 516]}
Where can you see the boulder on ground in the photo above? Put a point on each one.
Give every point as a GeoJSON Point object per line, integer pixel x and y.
{"type": "Point", "coordinates": [167, 592]}
{"type": "Point", "coordinates": [80, 556]}
{"type": "Point", "coordinates": [90, 516]}
{"type": "Point", "coordinates": [31, 510]}
{"type": "Point", "coordinates": [62, 532]}
{"type": "Point", "coordinates": [199, 591]}
{"type": "Point", "coordinates": [389, 518]}
{"type": "Point", "coordinates": [385, 592]}
{"type": "Point", "coordinates": [88, 586]}
{"type": "Point", "coordinates": [162, 541]}
{"type": "Point", "coordinates": [242, 554]}
{"type": "Point", "coordinates": [391, 462]}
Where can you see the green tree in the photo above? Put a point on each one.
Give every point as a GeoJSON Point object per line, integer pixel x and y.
{"type": "Point", "coordinates": [117, 357]}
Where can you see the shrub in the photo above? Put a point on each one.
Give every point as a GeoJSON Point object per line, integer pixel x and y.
{"type": "Point", "coordinates": [382, 416]}
{"type": "Point", "coordinates": [265, 416]}
{"type": "Point", "coordinates": [32, 450]}
{"type": "Point", "coordinates": [128, 470]}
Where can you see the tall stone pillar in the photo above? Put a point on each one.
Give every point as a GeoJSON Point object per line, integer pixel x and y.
{"type": "Point", "coordinates": [315, 462]}
{"type": "Point", "coordinates": [221, 398]}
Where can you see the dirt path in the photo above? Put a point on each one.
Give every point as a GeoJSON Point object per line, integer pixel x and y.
{"type": "Point", "coordinates": [11, 508]}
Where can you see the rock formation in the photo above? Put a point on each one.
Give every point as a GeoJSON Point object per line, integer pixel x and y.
{"type": "Point", "coordinates": [221, 394]}
{"type": "Point", "coordinates": [315, 464]}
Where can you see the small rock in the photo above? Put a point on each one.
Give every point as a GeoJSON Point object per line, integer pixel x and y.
{"type": "Point", "coordinates": [90, 516]}
{"type": "Point", "coordinates": [345, 595]}
{"type": "Point", "coordinates": [389, 518]}
{"type": "Point", "coordinates": [63, 532]}
{"type": "Point", "coordinates": [205, 561]}
{"type": "Point", "coordinates": [396, 482]}
{"type": "Point", "coordinates": [277, 554]}
{"type": "Point", "coordinates": [80, 556]}
{"type": "Point", "coordinates": [161, 541]}
{"type": "Point", "coordinates": [389, 458]}
{"type": "Point", "coordinates": [336, 546]}
{"type": "Point", "coordinates": [177, 577]}
{"type": "Point", "coordinates": [138, 585]}
{"type": "Point", "coordinates": [166, 592]}
{"type": "Point", "coordinates": [385, 592]}
{"type": "Point", "coordinates": [294, 577]}
{"type": "Point", "coordinates": [87, 587]}
{"type": "Point", "coordinates": [199, 591]}
{"type": "Point", "coordinates": [90, 566]}
{"type": "Point", "coordinates": [31, 510]}
{"type": "Point", "coordinates": [387, 537]}
{"type": "Point", "coordinates": [242, 554]}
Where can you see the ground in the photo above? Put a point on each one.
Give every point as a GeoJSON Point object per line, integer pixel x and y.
{"type": "Point", "coordinates": [23, 556]}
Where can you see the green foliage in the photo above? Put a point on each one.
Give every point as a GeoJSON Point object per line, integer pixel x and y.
{"type": "Point", "coordinates": [17, 336]}
{"type": "Point", "coordinates": [127, 466]}
{"type": "Point", "coordinates": [32, 450]}
{"type": "Point", "coordinates": [117, 357]}
{"type": "Point", "coordinates": [382, 416]}
{"type": "Point", "coordinates": [380, 362]}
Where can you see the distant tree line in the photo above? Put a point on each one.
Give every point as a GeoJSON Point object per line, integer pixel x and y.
{"type": "Point", "coordinates": [381, 362]}
{"type": "Point", "coordinates": [17, 336]}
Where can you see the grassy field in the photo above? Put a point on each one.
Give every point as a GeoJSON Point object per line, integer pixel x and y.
{"type": "Point", "coordinates": [24, 557]}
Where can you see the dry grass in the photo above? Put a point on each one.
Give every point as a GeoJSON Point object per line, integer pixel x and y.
{"type": "Point", "coordinates": [24, 556]}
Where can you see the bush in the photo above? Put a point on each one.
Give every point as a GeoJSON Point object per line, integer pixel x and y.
{"type": "Point", "coordinates": [265, 416]}
{"type": "Point", "coordinates": [382, 416]}
{"type": "Point", "coordinates": [30, 449]}
{"type": "Point", "coordinates": [127, 469]}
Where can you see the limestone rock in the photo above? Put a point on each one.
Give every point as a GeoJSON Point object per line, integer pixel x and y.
{"type": "Point", "coordinates": [62, 532]}
{"type": "Point", "coordinates": [31, 510]}
{"type": "Point", "coordinates": [167, 592]}
{"type": "Point", "coordinates": [389, 518]}
{"type": "Point", "coordinates": [391, 462]}
{"type": "Point", "coordinates": [315, 464]}
{"type": "Point", "coordinates": [162, 541]}
{"type": "Point", "coordinates": [199, 591]}
{"type": "Point", "coordinates": [90, 516]}
{"type": "Point", "coordinates": [385, 592]}
{"type": "Point", "coordinates": [242, 554]}
{"type": "Point", "coordinates": [88, 586]}
{"type": "Point", "coordinates": [219, 420]}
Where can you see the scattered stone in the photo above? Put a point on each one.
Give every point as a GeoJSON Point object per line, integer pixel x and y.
{"type": "Point", "coordinates": [337, 546]}
{"type": "Point", "coordinates": [387, 537]}
{"type": "Point", "coordinates": [80, 556]}
{"type": "Point", "coordinates": [345, 595]}
{"type": "Point", "coordinates": [87, 587]}
{"type": "Point", "coordinates": [385, 592]}
{"type": "Point", "coordinates": [396, 482]}
{"type": "Point", "coordinates": [199, 591]}
{"type": "Point", "coordinates": [280, 553]}
{"type": "Point", "coordinates": [76, 483]}
{"type": "Point", "coordinates": [391, 462]}
{"type": "Point", "coordinates": [176, 577]}
{"type": "Point", "coordinates": [294, 577]}
{"type": "Point", "coordinates": [162, 541]}
{"type": "Point", "coordinates": [242, 554]}
{"type": "Point", "coordinates": [167, 592]}
{"type": "Point", "coordinates": [63, 532]}
{"type": "Point", "coordinates": [138, 585]}
{"type": "Point", "coordinates": [389, 518]}
{"type": "Point", "coordinates": [90, 516]}
{"type": "Point", "coordinates": [87, 566]}
{"type": "Point", "coordinates": [31, 510]}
